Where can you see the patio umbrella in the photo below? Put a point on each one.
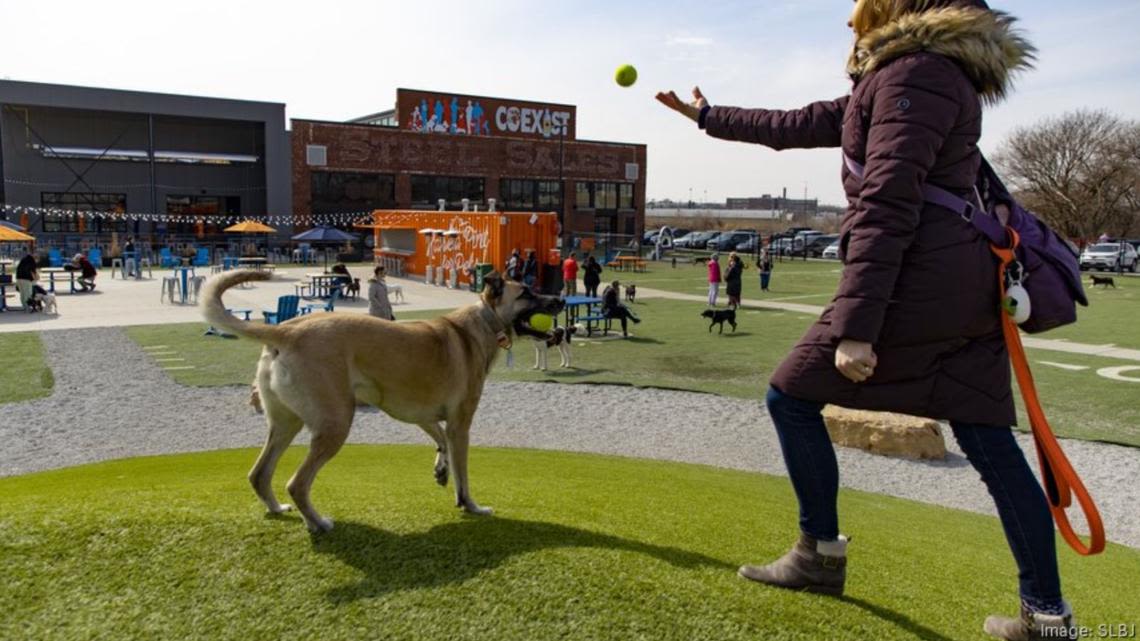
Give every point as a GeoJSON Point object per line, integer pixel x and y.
{"type": "Point", "coordinates": [9, 235]}
{"type": "Point", "coordinates": [11, 225]}
{"type": "Point", "coordinates": [249, 227]}
{"type": "Point", "coordinates": [324, 235]}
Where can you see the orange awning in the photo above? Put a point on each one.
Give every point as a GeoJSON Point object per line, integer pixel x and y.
{"type": "Point", "coordinates": [9, 235]}
{"type": "Point", "coordinates": [250, 227]}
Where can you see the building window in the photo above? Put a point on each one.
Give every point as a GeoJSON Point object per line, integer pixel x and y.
{"type": "Point", "coordinates": [531, 195]}
{"type": "Point", "coordinates": [339, 192]}
{"type": "Point", "coordinates": [604, 196]}
{"type": "Point", "coordinates": [582, 196]}
{"type": "Point", "coordinates": [605, 224]}
{"type": "Point", "coordinates": [428, 190]}
{"type": "Point", "coordinates": [200, 206]}
{"type": "Point", "coordinates": [83, 202]}
{"type": "Point", "coordinates": [625, 196]}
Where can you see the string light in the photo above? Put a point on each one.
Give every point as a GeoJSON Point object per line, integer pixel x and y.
{"type": "Point", "coordinates": [337, 218]}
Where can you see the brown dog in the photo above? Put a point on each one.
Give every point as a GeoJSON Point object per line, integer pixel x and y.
{"type": "Point", "coordinates": [314, 369]}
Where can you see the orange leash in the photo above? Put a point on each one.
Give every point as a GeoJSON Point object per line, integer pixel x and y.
{"type": "Point", "coordinates": [1057, 473]}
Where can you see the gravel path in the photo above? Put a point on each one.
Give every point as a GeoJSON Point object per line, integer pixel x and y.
{"type": "Point", "coordinates": [111, 401]}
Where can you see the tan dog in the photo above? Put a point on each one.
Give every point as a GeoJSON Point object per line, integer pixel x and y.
{"type": "Point", "coordinates": [315, 368]}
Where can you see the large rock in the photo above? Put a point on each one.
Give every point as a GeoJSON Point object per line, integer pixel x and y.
{"type": "Point", "coordinates": [885, 433]}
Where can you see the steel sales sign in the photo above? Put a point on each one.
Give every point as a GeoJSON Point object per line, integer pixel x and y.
{"type": "Point", "coordinates": [462, 115]}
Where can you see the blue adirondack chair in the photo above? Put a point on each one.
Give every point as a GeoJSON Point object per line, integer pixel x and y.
{"type": "Point", "coordinates": [286, 309]}
{"type": "Point", "coordinates": [95, 255]}
{"type": "Point", "coordinates": [165, 258]}
{"type": "Point", "coordinates": [328, 307]}
{"type": "Point", "coordinates": [55, 257]}
{"type": "Point", "coordinates": [202, 259]}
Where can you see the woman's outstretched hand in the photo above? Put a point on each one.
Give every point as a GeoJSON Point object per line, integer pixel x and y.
{"type": "Point", "coordinates": [691, 110]}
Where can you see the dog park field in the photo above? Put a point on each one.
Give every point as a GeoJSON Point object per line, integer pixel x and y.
{"type": "Point", "coordinates": [126, 512]}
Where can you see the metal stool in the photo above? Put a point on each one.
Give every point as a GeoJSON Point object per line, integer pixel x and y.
{"type": "Point", "coordinates": [116, 266]}
{"type": "Point", "coordinates": [195, 285]}
{"type": "Point", "coordinates": [171, 285]}
{"type": "Point", "coordinates": [143, 262]}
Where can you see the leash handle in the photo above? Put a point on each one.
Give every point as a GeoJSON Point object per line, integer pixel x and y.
{"type": "Point", "coordinates": [1059, 478]}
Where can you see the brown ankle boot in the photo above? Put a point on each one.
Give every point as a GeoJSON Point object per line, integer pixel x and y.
{"type": "Point", "coordinates": [805, 567]}
{"type": "Point", "coordinates": [1032, 626]}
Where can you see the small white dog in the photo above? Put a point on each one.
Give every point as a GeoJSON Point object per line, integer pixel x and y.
{"type": "Point", "coordinates": [48, 301]}
{"type": "Point", "coordinates": [560, 338]}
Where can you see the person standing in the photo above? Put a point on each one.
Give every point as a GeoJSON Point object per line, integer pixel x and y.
{"type": "Point", "coordinates": [530, 270]}
{"type": "Point", "coordinates": [714, 279]}
{"type": "Point", "coordinates": [378, 303]}
{"type": "Point", "coordinates": [570, 274]}
{"type": "Point", "coordinates": [27, 273]}
{"type": "Point", "coordinates": [732, 280]}
{"type": "Point", "coordinates": [593, 276]}
{"type": "Point", "coordinates": [900, 336]}
{"type": "Point", "coordinates": [514, 266]}
{"type": "Point", "coordinates": [765, 267]}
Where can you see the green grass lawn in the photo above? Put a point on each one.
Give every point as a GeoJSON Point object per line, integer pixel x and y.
{"type": "Point", "coordinates": [24, 374]}
{"type": "Point", "coordinates": [581, 547]}
{"type": "Point", "coordinates": [672, 349]}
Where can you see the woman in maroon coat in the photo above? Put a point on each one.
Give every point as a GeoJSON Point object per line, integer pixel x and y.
{"type": "Point", "coordinates": [915, 325]}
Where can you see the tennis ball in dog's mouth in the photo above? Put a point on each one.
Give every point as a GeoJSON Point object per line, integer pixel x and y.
{"type": "Point", "coordinates": [541, 322]}
{"type": "Point", "coordinates": [625, 75]}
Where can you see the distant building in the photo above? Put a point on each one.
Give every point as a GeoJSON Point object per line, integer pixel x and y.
{"type": "Point", "coordinates": [789, 205]}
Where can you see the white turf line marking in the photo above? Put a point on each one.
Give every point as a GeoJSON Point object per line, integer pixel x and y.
{"type": "Point", "coordinates": [168, 360]}
{"type": "Point", "coordinates": [155, 346]}
{"type": "Point", "coordinates": [161, 353]}
{"type": "Point", "coordinates": [171, 369]}
{"type": "Point", "coordinates": [1065, 366]}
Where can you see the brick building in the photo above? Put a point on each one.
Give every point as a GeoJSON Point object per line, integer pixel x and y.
{"type": "Point", "coordinates": [439, 146]}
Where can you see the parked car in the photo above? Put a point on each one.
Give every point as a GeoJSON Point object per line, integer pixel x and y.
{"type": "Point", "coordinates": [832, 250]}
{"type": "Point", "coordinates": [749, 246]}
{"type": "Point", "coordinates": [701, 239]}
{"type": "Point", "coordinates": [817, 244]}
{"type": "Point", "coordinates": [1102, 256]}
{"type": "Point", "coordinates": [727, 241]}
{"type": "Point", "coordinates": [684, 242]}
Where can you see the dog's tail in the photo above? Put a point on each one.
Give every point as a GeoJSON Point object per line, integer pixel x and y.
{"type": "Point", "coordinates": [215, 311]}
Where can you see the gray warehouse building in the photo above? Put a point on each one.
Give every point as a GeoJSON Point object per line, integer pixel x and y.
{"type": "Point", "coordinates": [138, 161]}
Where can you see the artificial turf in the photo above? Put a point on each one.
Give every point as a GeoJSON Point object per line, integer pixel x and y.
{"type": "Point", "coordinates": [581, 547]}
{"type": "Point", "coordinates": [24, 374]}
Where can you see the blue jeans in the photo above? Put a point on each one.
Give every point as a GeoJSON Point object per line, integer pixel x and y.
{"type": "Point", "coordinates": [994, 453]}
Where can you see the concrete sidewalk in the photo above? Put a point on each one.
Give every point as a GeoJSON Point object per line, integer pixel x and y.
{"type": "Point", "coordinates": [118, 303]}
{"type": "Point", "coordinates": [1053, 345]}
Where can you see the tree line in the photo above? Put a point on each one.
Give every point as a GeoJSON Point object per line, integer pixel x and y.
{"type": "Point", "coordinates": [1080, 172]}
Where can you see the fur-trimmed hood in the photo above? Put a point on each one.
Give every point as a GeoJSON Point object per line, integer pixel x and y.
{"type": "Point", "coordinates": [984, 43]}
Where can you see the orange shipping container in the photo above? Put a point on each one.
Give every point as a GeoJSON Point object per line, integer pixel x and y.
{"type": "Point", "coordinates": [462, 239]}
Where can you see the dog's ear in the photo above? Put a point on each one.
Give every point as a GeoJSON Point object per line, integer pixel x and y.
{"type": "Point", "coordinates": [493, 285]}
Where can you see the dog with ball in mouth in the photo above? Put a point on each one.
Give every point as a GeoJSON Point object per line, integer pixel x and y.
{"type": "Point", "coordinates": [556, 337]}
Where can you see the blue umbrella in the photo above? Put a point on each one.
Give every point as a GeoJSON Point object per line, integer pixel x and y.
{"type": "Point", "coordinates": [11, 225]}
{"type": "Point", "coordinates": [325, 234]}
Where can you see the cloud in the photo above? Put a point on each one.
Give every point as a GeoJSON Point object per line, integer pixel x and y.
{"type": "Point", "coordinates": [689, 41]}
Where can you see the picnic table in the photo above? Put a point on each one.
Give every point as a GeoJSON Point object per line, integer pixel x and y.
{"type": "Point", "coordinates": [320, 285]}
{"type": "Point", "coordinates": [253, 262]}
{"type": "Point", "coordinates": [53, 271]}
{"type": "Point", "coordinates": [584, 309]}
{"type": "Point", "coordinates": [628, 263]}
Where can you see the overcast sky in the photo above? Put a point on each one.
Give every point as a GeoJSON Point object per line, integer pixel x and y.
{"type": "Point", "coordinates": [338, 59]}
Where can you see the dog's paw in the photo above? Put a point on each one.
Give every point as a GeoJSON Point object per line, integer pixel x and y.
{"type": "Point", "coordinates": [441, 476]}
{"type": "Point", "coordinates": [320, 526]}
{"type": "Point", "coordinates": [281, 509]}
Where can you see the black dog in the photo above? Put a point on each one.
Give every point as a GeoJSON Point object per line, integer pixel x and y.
{"type": "Point", "coordinates": [630, 292]}
{"type": "Point", "coordinates": [1103, 280]}
{"type": "Point", "coordinates": [720, 316]}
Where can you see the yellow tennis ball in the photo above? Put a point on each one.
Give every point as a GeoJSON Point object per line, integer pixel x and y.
{"type": "Point", "coordinates": [625, 75]}
{"type": "Point", "coordinates": [542, 322]}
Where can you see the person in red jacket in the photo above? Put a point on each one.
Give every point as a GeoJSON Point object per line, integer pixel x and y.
{"type": "Point", "coordinates": [900, 335]}
{"type": "Point", "coordinates": [570, 274]}
{"type": "Point", "coordinates": [714, 279]}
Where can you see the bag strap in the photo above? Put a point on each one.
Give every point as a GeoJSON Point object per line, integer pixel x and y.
{"type": "Point", "coordinates": [986, 224]}
{"type": "Point", "coordinates": [1057, 474]}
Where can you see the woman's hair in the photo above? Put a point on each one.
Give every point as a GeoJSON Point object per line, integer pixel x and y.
{"type": "Point", "coordinates": [872, 14]}
{"type": "Point", "coordinates": [378, 271]}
